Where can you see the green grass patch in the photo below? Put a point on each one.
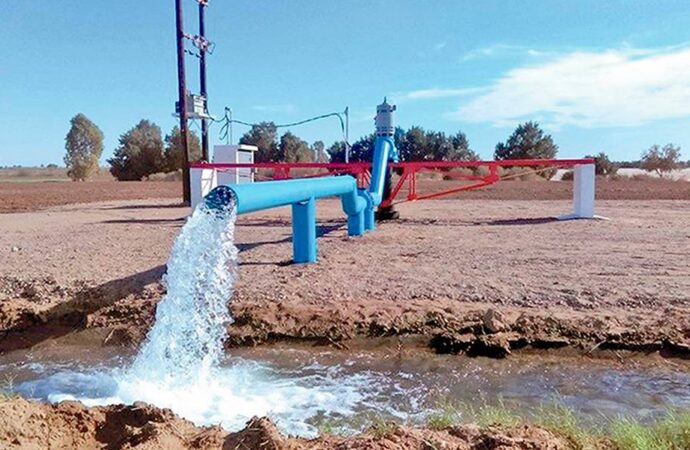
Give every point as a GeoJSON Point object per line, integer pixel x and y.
{"type": "Point", "coordinates": [670, 432]}
{"type": "Point", "coordinates": [498, 414]}
{"type": "Point", "coordinates": [382, 427]}
{"type": "Point", "coordinates": [7, 388]}
{"type": "Point", "coordinates": [446, 414]}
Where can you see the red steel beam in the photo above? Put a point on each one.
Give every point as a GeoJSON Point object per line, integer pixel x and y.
{"type": "Point", "coordinates": [361, 171]}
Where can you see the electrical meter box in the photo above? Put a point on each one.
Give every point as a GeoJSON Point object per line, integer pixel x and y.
{"type": "Point", "coordinates": [235, 154]}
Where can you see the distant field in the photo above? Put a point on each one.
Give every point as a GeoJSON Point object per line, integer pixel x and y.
{"type": "Point", "coordinates": [32, 195]}
{"type": "Point", "coordinates": [38, 174]}
{"type": "Point", "coordinates": [680, 174]}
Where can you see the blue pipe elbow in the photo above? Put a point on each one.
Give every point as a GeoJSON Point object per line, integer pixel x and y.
{"type": "Point", "coordinates": [383, 148]}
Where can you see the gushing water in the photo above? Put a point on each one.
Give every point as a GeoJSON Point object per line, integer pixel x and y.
{"type": "Point", "coordinates": [182, 365]}
{"type": "Point", "coordinates": [187, 337]}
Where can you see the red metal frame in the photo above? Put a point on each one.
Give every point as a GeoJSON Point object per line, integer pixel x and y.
{"type": "Point", "coordinates": [408, 172]}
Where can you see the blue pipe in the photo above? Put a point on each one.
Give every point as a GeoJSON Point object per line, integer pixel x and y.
{"type": "Point", "coordinates": [358, 204]}
{"type": "Point", "coordinates": [252, 197]}
{"type": "Point", "coordinates": [383, 147]}
{"type": "Point", "coordinates": [301, 194]}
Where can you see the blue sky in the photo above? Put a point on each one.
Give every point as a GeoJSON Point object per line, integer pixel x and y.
{"type": "Point", "coordinates": [599, 75]}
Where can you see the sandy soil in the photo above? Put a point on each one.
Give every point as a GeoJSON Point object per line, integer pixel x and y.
{"type": "Point", "coordinates": [69, 425]}
{"type": "Point", "coordinates": [484, 277]}
{"type": "Point", "coordinates": [31, 196]}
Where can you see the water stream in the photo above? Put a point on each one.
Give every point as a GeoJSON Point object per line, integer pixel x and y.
{"type": "Point", "coordinates": [303, 388]}
{"type": "Point", "coordinates": [182, 365]}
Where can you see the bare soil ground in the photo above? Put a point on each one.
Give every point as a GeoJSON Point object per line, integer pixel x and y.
{"type": "Point", "coordinates": [30, 195]}
{"type": "Point", "coordinates": [70, 425]}
{"type": "Point", "coordinates": [479, 276]}
{"type": "Point", "coordinates": [18, 196]}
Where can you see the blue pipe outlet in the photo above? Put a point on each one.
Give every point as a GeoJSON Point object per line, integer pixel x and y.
{"type": "Point", "coordinates": [301, 194]}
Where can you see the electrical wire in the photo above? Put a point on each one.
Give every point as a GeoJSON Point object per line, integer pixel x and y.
{"type": "Point", "coordinates": [227, 121]}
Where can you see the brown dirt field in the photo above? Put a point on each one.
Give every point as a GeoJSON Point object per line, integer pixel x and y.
{"type": "Point", "coordinates": [31, 196]}
{"type": "Point", "coordinates": [619, 189]}
{"type": "Point", "coordinates": [70, 425]}
{"type": "Point", "coordinates": [483, 277]}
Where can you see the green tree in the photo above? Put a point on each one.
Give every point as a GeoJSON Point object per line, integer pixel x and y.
{"type": "Point", "coordinates": [84, 145]}
{"type": "Point", "coordinates": [412, 145]}
{"type": "Point", "coordinates": [603, 165]}
{"type": "Point", "coordinates": [440, 147]}
{"type": "Point", "coordinates": [173, 149]}
{"type": "Point", "coordinates": [336, 152]}
{"type": "Point", "coordinates": [661, 159]}
{"type": "Point", "coordinates": [363, 148]}
{"type": "Point", "coordinates": [264, 136]}
{"type": "Point", "coordinates": [528, 141]}
{"type": "Point", "coordinates": [139, 154]}
{"type": "Point", "coordinates": [415, 144]}
{"type": "Point", "coordinates": [318, 149]}
{"type": "Point", "coordinates": [460, 149]}
{"type": "Point", "coordinates": [292, 149]}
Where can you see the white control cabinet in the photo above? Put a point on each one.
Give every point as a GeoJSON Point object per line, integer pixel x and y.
{"type": "Point", "coordinates": [234, 154]}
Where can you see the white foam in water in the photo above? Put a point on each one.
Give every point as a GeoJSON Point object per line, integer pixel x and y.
{"type": "Point", "coordinates": [178, 366]}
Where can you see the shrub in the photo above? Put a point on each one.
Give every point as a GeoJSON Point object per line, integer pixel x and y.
{"type": "Point", "coordinates": [661, 160]}
{"type": "Point", "coordinates": [165, 176]}
{"type": "Point", "coordinates": [568, 175]}
{"type": "Point", "coordinates": [603, 165]}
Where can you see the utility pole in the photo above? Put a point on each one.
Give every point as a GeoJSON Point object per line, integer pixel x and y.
{"type": "Point", "coordinates": [202, 78]}
{"type": "Point", "coordinates": [182, 107]}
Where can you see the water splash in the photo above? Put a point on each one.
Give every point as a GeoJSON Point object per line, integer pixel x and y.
{"type": "Point", "coordinates": [182, 364]}
{"type": "Point", "coordinates": [187, 336]}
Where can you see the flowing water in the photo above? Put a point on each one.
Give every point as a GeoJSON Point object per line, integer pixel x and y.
{"type": "Point", "coordinates": [303, 388]}
{"type": "Point", "coordinates": [182, 365]}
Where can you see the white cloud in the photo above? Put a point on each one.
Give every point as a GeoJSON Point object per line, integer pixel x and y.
{"type": "Point", "coordinates": [499, 50]}
{"type": "Point", "coordinates": [435, 93]}
{"type": "Point", "coordinates": [627, 87]}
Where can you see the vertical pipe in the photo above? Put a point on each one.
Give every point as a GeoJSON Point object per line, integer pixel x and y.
{"type": "Point", "coordinates": [347, 134]}
{"type": "Point", "coordinates": [202, 81]}
{"type": "Point", "coordinates": [182, 92]}
{"type": "Point", "coordinates": [304, 231]}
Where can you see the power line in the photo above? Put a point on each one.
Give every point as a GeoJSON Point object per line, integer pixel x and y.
{"type": "Point", "coordinates": [227, 121]}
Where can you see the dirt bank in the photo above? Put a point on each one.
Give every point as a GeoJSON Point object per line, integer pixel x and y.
{"type": "Point", "coordinates": [483, 277]}
{"type": "Point", "coordinates": [69, 425]}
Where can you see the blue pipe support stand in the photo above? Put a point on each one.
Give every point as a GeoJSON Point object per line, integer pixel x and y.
{"type": "Point", "coordinates": [304, 231]}
{"type": "Point", "coordinates": [301, 194]}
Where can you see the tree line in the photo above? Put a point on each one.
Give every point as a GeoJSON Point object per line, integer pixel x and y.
{"type": "Point", "coordinates": [143, 150]}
